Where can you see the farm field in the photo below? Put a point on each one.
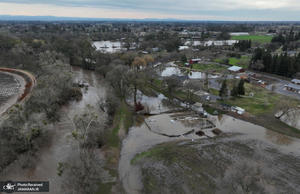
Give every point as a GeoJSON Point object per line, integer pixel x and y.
{"type": "Point", "coordinates": [254, 38]}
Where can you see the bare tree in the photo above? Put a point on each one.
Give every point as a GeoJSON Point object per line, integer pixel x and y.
{"type": "Point", "coordinates": [137, 64]}
{"type": "Point", "coordinates": [82, 172]}
{"type": "Point", "coordinates": [243, 177]}
{"type": "Point", "coordinates": [286, 107]}
{"type": "Point", "coordinates": [119, 79]}
{"type": "Point", "coordinates": [191, 87]}
{"type": "Point", "coordinates": [172, 83]}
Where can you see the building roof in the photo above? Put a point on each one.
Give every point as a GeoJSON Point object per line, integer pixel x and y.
{"type": "Point", "coordinates": [198, 59]}
{"type": "Point", "coordinates": [297, 81]}
{"type": "Point", "coordinates": [294, 86]}
{"type": "Point", "coordinates": [239, 33]}
{"type": "Point", "coordinates": [235, 68]}
{"type": "Point", "coordinates": [238, 108]}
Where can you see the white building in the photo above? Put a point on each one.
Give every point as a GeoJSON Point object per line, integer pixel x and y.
{"type": "Point", "coordinates": [296, 81]}
{"type": "Point", "coordinates": [238, 110]}
{"type": "Point", "coordinates": [235, 69]}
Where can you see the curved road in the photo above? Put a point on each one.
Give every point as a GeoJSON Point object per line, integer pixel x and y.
{"type": "Point", "coordinates": [15, 87]}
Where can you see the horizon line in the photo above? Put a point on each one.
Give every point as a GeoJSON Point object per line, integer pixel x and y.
{"type": "Point", "coordinates": [68, 18]}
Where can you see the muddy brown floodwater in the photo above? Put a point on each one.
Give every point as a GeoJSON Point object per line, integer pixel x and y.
{"type": "Point", "coordinates": [61, 144]}
{"type": "Point", "coordinates": [170, 127]}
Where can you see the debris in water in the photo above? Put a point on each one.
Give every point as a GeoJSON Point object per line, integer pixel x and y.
{"type": "Point", "coordinates": [139, 107]}
{"type": "Point", "coordinates": [200, 133]}
{"type": "Point", "coordinates": [217, 131]}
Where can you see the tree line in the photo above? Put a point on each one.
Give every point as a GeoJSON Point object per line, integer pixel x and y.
{"type": "Point", "coordinates": [243, 45]}
{"type": "Point", "coordinates": [285, 37]}
{"type": "Point", "coordinates": [284, 65]}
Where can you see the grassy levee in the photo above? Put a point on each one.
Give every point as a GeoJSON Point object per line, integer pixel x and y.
{"type": "Point", "coordinates": [123, 120]}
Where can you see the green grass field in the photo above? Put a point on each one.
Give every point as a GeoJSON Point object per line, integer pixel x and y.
{"type": "Point", "coordinates": [242, 62]}
{"type": "Point", "coordinates": [209, 67]}
{"type": "Point", "coordinates": [233, 61]}
{"type": "Point", "coordinates": [123, 118]}
{"type": "Point", "coordinates": [263, 100]}
{"type": "Point", "coordinates": [254, 38]}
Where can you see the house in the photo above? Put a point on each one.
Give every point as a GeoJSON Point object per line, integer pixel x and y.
{"type": "Point", "coordinates": [296, 81]}
{"type": "Point", "coordinates": [236, 69]}
{"type": "Point", "coordinates": [193, 61]}
{"type": "Point", "coordinates": [293, 88]}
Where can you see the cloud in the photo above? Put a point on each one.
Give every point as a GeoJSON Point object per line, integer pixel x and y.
{"type": "Point", "coordinates": [181, 9]}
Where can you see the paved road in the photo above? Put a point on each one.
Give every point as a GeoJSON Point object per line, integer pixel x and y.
{"type": "Point", "coordinates": [279, 86]}
{"type": "Point", "coordinates": [11, 87]}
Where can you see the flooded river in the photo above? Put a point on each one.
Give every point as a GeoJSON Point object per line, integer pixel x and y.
{"type": "Point", "coordinates": [61, 144]}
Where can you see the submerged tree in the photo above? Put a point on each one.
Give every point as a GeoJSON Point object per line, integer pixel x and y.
{"type": "Point", "coordinates": [82, 172]}
{"type": "Point", "coordinates": [138, 64]}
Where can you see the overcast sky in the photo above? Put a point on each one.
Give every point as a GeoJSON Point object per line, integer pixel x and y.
{"type": "Point", "coordinates": [244, 10]}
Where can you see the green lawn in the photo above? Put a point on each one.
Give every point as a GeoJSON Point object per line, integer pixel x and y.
{"type": "Point", "coordinates": [214, 91]}
{"type": "Point", "coordinates": [219, 60]}
{"type": "Point", "coordinates": [241, 62]}
{"type": "Point", "coordinates": [123, 118]}
{"type": "Point", "coordinates": [209, 67]}
{"type": "Point", "coordinates": [233, 61]}
{"type": "Point", "coordinates": [254, 38]}
{"type": "Point", "coordinates": [263, 100]}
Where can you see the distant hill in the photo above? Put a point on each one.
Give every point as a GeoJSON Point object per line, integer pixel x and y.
{"type": "Point", "coordinates": [55, 18]}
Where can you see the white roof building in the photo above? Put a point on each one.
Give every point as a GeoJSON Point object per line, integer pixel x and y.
{"type": "Point", "coordinates": [296, 81]}
{"type": "Point", "coordinates": [239, 33]}
{"type": "Point", "coordinates": [235, 68]}
{"type": "Point", "coordinates": [183, 48]}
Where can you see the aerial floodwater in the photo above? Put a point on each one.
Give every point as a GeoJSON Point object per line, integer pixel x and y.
{"type": "Point", "coordinates": [108, 46]}
{"type": "Point", "coordinates": [171, 126]}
